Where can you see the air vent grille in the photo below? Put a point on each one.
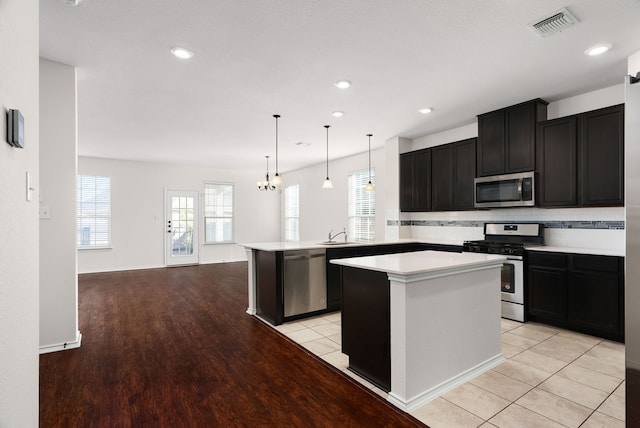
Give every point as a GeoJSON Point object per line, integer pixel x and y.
{"type": "Point", "coordinates": [558, 21]}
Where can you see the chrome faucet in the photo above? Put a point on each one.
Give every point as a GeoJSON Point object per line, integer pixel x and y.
{"type": "Point", "coordinates": [331, 238]}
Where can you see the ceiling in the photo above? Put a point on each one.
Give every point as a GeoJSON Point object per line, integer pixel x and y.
{"type": "Point", "coordinates": [256, 58]}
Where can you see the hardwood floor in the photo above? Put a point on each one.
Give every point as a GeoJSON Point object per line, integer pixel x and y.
{"type": "Point", "coordinates": [174, 348]}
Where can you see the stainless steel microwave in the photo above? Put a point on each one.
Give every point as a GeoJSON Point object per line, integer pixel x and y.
{"type": "Point", "coordinates": [509, 190]}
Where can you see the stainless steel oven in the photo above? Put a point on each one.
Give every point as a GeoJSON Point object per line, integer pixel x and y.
{"type": "Point", "coordinates": [509, 239]}
{"type": "Point", "coordinates": [512, 289]}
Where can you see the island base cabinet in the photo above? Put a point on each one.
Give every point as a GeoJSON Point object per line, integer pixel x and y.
{"type": "Point", "coordinates": [269, 277]}
{"type": "Point", "coordinates": [366, 324]}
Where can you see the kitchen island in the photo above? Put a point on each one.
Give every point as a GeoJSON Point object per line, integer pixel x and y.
{"type": "Point", "coordinates": [419, 324]}
{"type": "Point", "coordinates": [294, 280]}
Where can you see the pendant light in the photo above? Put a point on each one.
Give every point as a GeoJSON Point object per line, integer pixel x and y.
{"type": "Point", "coordinates": [277, 180]}
{"type": "Point", "coordinates": [370, 186]}
{"type": "Point", "coordinates": [266, 184]}
{"type": "Point", "coordinates": [327, 184]}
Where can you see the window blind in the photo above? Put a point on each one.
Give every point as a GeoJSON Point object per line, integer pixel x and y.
{"type": "Point", "coordinates": [292, 213]}
{"type": "Point", "coordinates": [362, 207]}
{"type": "Point", "coordinates": [218, 213]}
{"type": "Point", "coordinates": [93, 211]}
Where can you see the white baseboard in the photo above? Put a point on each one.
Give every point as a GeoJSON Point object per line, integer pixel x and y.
{"type": "Point", "coordinates": [62, 346]}
{"type": "Point", "coordinates": [449, 384]}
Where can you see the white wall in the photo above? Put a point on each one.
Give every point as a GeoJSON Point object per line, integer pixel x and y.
{"type": "Point", "coordinates": [19, 218]}
{"type": "Point", "coordinates": [137, 212]}
{"type": "Point", "coordinates": [58, 144]}
{"type": "Point", "coordinates": [324, 209]}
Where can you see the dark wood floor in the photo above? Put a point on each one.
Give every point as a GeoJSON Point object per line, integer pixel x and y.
{"type": "Point", "coordinates": [174, 348]}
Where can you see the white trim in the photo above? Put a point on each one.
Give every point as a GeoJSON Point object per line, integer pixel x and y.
{"type": "Point", "coordinates": [449, 384]}
{"type": "Point", "coordinates": [455, 270]}
{"type": "Point", "coordinates": [62, 346]}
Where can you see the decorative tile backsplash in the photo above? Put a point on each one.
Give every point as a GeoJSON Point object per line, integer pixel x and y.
{"type": "Point", "coordinates": [600, 228]}
{"type": "Point", "coordinates": [564, 224]}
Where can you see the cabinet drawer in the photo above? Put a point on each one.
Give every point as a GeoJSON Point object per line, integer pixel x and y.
{"type": "Point", "coordinates": [595, 263]}
{"type": "Point", "coordinates": [550, 260]}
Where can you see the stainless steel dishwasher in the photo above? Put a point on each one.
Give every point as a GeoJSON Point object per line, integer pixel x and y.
{"type": "Point", "coordinates": [305, 281]}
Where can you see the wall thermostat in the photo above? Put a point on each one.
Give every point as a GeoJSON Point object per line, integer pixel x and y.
{"type": "Point", "coordinates": [15, 128]}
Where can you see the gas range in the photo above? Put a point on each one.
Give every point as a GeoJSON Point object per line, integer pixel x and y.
{"type": "Point", "coordinates": [509, 239]}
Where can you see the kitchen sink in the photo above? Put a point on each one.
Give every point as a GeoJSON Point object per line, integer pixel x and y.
{"type": "Point", "coordinates": [336, 243]}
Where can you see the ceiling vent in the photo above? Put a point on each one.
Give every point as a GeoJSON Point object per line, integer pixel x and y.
{"type": "Point", "coordinates": [558, 21]}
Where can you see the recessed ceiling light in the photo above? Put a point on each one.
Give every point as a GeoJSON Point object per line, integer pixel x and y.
{"type": "Point", "coordinates": [181, 53]}
{"type": "Point", "coordinates": [425, 110]}
{"type": "Point", "coordinates": [338, 113]}
{"type": "Point", "coordinates": [342, 84]}
{"type": "Point", "coordinates": [598, 49]}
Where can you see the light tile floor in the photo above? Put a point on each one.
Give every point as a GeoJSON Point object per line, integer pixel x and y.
{"type": "Point", "coordinates": [552, 378]}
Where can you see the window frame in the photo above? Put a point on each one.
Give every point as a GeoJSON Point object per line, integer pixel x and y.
{"type": "Point", "coordinates": [354, 189]}
{"type": "Point", "coordinates": [80, 212]}
{"type": "Point", "coordinates": [232, 216]}
{"type": "Point", "coordinates": [296, 217]}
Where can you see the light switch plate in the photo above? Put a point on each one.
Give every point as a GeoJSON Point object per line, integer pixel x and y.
{"type": "Point", "coordinates": [45, 212]}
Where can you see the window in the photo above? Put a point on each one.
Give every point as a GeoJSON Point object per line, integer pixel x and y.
{"type": "Point", "coordinates": [93, 211]}
{"type": "Point", "coordinates": [218, 213]}
{"type": "Point", "coordinates": [362, 207]}
{"type": "Point", "coordinates": [292, 213]}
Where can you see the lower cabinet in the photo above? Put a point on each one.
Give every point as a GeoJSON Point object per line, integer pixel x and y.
{"type": "Point", "coordinates": [579, 292]}
{"type": "Point", "coordinates": [366, 324]}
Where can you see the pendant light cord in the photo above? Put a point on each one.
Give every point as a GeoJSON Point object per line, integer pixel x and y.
{"type": "Point", "coordinates": [276, 116]}
{"type": "Point", "coordinates": [327, 126]}
{"type": "Point", "coordinates": [369, 135]}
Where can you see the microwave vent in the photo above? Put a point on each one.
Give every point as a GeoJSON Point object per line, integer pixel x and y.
{"type": "Point", "coordinates": [558, 21]}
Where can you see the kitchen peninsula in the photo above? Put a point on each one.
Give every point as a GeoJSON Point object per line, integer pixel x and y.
{"type": "Point", "coordinates": [419, 324]}
{"type": "Point", "coordinates": [293, 280]}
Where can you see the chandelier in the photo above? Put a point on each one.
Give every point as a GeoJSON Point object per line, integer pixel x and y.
{"type": "Point", "coordinates": [266, 184]}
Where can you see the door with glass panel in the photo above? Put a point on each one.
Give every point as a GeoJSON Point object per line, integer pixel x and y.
{"type": "Point", "coordinates": [181, 227]}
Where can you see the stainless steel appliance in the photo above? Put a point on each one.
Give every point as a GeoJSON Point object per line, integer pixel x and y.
{"type": "Point", "coordinates": [305, 281]}
{"type": "Point", "coordinates": [509, 190]}
{"type": "Point", "coordinates": [509, 239]}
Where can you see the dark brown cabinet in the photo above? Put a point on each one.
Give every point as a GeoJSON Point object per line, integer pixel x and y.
{"type": "Point", "coordinates": [547, 291]}
{"type": "Point", "coordinates": [601, 148]}
{"type": "Point", "coordinates": [581, 159]}
{"type": "Point", "coordinates": [452, 174]}
{"type": "Point", "coordinates": [557, 162]}
{"type": "Point", "coordinates": [579, 292]}
{"type": "Point", "coordinates": [334, 278]}
{"type": "Point", "coordinates": [446, 180]}
{"type": "Point", "coordinates": [415, 181]}
{"type": "Point", "coordinates": [366, 324]}
{"type": "Point", "coordinates": [506, 138]}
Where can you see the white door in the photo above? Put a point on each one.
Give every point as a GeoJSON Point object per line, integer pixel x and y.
{"type": "Point", "coordinates": [181, 228]}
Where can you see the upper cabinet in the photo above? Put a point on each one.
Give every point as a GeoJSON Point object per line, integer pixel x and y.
{"type": "Point", "coordinates": [415, 181]}
{"type": "Point", "coordinates": [601, 162]}
{"type": "Point", "coordinates": [452, 174]}
{"type": "Point", "coordinates": [507, 137]}
{"type": "Point", "coordinates": [439, 178]}
{"type": "Point", "coordinates": [581, 159]}
{"type": "Point", "coordinates": [557, 162]}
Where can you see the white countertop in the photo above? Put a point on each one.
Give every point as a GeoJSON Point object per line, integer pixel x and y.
{"type": "Point", "coordinates": [577, 250]}
{"type": "Point", "coordinates": [420, 262]}
{"type": "Point", "coordinates": [307, 245]}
